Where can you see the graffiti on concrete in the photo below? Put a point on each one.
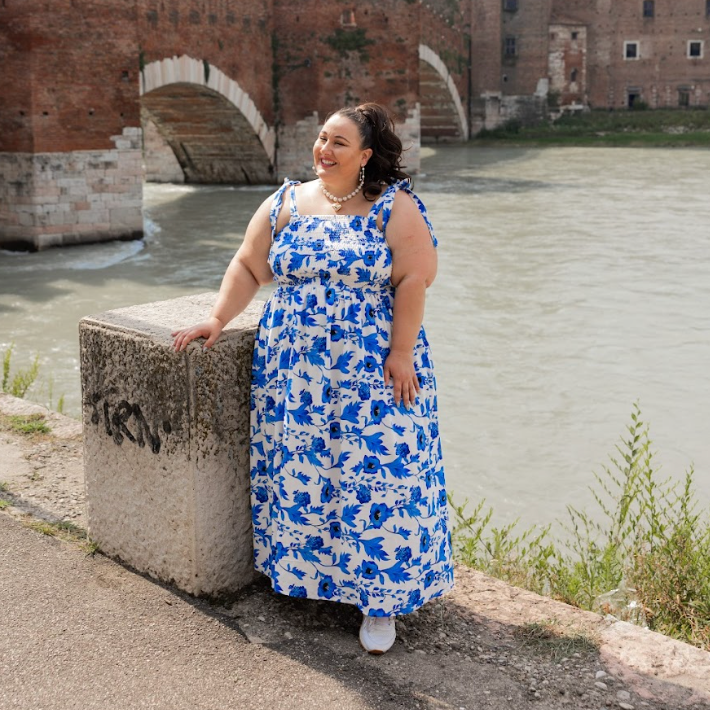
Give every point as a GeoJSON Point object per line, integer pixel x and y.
{"type": "Point", "coordinates": [124, 420]}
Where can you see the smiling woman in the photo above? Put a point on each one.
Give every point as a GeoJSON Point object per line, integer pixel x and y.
{"type": "Point", "coordinates": [348, 491]}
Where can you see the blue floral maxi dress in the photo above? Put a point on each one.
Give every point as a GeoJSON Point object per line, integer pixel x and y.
{"type": "Point", "coordinates": [347, 490]}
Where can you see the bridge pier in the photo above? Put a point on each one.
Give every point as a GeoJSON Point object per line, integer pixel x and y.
{"type": "Point", "coordinates": [166, 444]}
{"type": "Point", "coordinates": [79, 196]}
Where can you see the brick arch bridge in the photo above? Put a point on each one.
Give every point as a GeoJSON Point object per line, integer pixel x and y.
{"type": "Point", "coordinates": [207, 124]}
{"type": "Point", "coordinates": [217, 90]}
{"type": "Point", "coordinates": [443, 116]}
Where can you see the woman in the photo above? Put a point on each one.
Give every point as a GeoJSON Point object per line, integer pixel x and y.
{"type": "Point", "coordinates": [348, 493]}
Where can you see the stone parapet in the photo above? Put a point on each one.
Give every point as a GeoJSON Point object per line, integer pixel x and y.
{"type": "Point", "coordinates": [166, 444]}
{"type": "Point", "coordinates": [83, 196]}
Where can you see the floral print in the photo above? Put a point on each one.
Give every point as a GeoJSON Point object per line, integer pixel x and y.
{"type": "Point", "coordinates": [348, 492]}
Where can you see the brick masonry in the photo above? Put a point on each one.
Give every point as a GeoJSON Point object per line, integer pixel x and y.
{"type": "Point", "coordinates": [577, 48]}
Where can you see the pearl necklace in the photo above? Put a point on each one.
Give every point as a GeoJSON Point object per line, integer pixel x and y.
{"type": "Point", "coordinates": [338, 201]}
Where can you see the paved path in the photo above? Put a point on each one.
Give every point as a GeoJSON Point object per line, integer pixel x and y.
{"type": "Point", "coordinates": [83, 632]}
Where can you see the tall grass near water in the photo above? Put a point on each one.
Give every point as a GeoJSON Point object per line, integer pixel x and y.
{"type": "Point", "coordinates": [643, 557]}
{"type": "Point", "coordinates": [18, 382]}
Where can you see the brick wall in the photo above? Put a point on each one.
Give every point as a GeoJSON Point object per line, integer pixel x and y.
{"type": "Point", "coordinates": [80, 70]}
{"type": "Point", "coordinates": [567, 63]}
{"type": "Point", "coordinates": [445, 28]}
{"type": "Point", "coordinates": [528, 26]}
{"type": "Point", "coordinates": [663, 68]}
{"type": "Point", "coordinates": [486, 50]}
{"type": "Point", "coordinates": [234, 35]}
{"type": "Point", "coordinates": [329, 55]}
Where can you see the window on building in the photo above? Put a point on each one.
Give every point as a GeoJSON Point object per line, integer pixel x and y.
{"type": "Point", "coordinates": [707, 8]}
{"type": "Point", "coordinates": [683, 98]}
{"type": "Point", "coordinates": [649, 8]}
{"type": "Point", "coordinates": [633, 97]}
{"type": "Point", "coordinates": [695, 49]}
{"type": "Point", "coordinates": [510, 5]}
{"type": "Point", "coordinates": [575, 35]}
{"type": "Point", "coordinates": [510, 48]}
{"type": "Point", "coordinates": [573, 76]}
{"type": "Point", "coordinates": [631, 50]}
{"type": "Point", "coordinates": [347, 18]}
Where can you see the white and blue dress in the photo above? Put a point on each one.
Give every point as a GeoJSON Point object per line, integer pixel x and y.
{"type": "Point", "coordinates": [347, 489]}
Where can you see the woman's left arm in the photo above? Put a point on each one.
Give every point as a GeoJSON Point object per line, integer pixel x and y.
{"type": "Point", "coordinates": [413, 270]}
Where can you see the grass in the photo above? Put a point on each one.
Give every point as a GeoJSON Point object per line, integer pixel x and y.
{"type": "Point", "coordinates": [26, 424]}
{"type": "Point", "coordinates": [22, 380]}
{"type": "Point", "coordinates": [19, 382]}
{"type": "Point", "coordinates": [643, 557]}
{"type": "Point", "coordinates": [67, 531]}
{"type": "Point", "coordinates": [555, 640]}
{"type": "Point", "coordinates": [651, 128]}
{"type": "Point", "coordinates": [64, 529]}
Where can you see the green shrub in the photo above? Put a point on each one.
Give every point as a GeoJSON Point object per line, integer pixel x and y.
{"type": "Point", "coordinates": [22, 380]}
{"type": "Point", "coordinates": [644, 557]}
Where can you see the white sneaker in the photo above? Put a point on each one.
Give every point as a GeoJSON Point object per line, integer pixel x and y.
{"type": "Point", "coordinates": [377, 634]}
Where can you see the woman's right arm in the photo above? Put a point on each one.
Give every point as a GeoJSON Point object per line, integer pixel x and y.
{"type": "Point", "coordinates": [248, 270]}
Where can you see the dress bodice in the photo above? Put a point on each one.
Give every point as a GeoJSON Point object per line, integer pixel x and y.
{"type": "Point", "coordinates": [341, 250]}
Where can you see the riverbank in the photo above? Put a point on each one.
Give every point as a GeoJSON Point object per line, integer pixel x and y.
{"type": "Point", "coordinates": [485, 645]}
{"type": "Point", "coordinates": [647, 129]}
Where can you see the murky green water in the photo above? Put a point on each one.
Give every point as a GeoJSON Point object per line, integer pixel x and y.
{"type": "Point", "coordinates": [572, 283]}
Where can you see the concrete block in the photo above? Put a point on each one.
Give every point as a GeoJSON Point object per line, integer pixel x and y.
{"type": "Point", "coordinates": [166, 439]}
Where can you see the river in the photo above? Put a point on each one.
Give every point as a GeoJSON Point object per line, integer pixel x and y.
{"type": "Point", "coordinates": [573, 282]}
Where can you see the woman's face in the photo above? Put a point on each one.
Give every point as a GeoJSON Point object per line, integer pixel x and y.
{"type": "Point", "coordinates": [338, 153]}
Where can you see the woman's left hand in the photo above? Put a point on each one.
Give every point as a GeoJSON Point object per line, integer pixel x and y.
{"type": "Point", "coordinates": [399, 368]}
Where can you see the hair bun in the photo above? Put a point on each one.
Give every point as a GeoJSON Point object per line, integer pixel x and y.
{"type": "Point", "coordinates": [377, 130]}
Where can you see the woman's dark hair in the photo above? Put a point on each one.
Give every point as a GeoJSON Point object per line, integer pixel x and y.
{"type": "Point", "coordinates": [377, 132]}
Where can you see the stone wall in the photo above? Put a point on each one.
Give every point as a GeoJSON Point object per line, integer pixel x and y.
{"type": "Point", "coordinates": [50, 199]}
{"type": "Point", "coordinates": [159, 161]}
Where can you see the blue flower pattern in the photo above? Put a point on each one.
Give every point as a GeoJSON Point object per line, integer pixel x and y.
{"type": "Point", "coordinates": [347, 489]}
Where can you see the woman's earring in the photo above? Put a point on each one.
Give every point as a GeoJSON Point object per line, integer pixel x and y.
{"type": "Point", "coordinates": [314, 170]}
{"type": "Point", "coordinates": [362, 173]}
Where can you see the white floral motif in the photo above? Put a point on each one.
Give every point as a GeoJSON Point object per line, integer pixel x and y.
{"type": "Point", "coordinates": [348, 491]}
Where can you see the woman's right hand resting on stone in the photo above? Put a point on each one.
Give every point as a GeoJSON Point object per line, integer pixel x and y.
{"type": "Point", "coordinates": [209, 329]}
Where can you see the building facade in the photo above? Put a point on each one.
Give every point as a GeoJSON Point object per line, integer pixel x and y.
{"type": "Point", "coordinates": [604, 54]}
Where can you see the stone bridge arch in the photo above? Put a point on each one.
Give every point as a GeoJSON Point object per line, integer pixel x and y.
{"type": "Point", "coordinates": [442, 113]}
{"type": "Point", "coordinates": [199, 124]}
